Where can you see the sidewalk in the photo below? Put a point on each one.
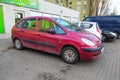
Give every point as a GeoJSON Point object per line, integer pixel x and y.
{"type": "Point", "coordinates": [5, 42]}
{"type": "Point", "coordinates": [4, 36]}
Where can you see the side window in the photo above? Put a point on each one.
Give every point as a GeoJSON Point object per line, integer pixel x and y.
{"type": "Point", "coordinates": [27, 24]}
{"type": "Point", "coordinates": [45, 25]}
{"type": "Point", "coordinates": [58, 30]}
{"type": "Point", "coordinates": [90, 19]}
{"type": "Point", "coordinates": [86, 19]}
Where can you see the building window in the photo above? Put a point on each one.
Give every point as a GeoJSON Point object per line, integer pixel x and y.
{"type": "Point", "coordinates": [56, 1]}
{"type": "Point", "coordinates": [61, 1]}
{"type": "Point", "coordinates": [18, 16]}
{"type": "Point", "coordinates": [70, 7]}
{"type": "Point", "coordinates": [78, 8]}
{"type": "Point", "coordinates": [70, 3]}
{"type": "Point", "coordinates": [84, 7]}
{"type": "Point", "coordinates": [84, 15]}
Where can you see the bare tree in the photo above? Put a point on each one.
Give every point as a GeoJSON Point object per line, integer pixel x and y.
{"type": "Point", "coordinates": [99, 7]}
{"type": "Point", "coordinates": [114, 12]}
{"type": "Point", "coordinates": [105, 7]}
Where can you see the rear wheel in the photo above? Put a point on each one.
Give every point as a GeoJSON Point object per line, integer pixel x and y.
{"type": "Point", "coordinates": [70, 55]}
{"type": "Point", "coordinates": [17, 44]}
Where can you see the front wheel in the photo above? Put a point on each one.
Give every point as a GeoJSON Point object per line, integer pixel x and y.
{"type": "Point", "coordinates": [70, 55]}
{"type": "Point", "coordinates": [104, 38]}
{"type": "Point", "coordinates": [118, 36]}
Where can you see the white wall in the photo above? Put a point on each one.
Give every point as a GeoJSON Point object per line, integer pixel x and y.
{"type": "Point", "coordinates": [8, 15]}
{"type": "Point", "coordinates": [45, 9]}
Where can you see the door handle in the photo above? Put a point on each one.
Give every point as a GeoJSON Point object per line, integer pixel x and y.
{"type": "Point", "coordinates": [37, 34]}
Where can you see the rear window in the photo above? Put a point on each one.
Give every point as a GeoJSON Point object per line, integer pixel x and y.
{"type": "Point", "coordinates": [76, 23]}
{"type": "Point", "coordinates": [85, 25]}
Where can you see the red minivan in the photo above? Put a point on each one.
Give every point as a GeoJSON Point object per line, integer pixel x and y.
{"type": "Point", "coordinates": [58, 36]}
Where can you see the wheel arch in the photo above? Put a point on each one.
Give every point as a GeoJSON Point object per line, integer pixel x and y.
{"type": "Point", "coordinates": [15, 38]}
{"type": "Point", "coordinates": [69, 45]}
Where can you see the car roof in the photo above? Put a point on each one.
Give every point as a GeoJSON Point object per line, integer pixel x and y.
{"type": "Point", "coordinates": [40, 17]}
{"type": "Point", "coordinates": [89, 22]}
{"type": "Point", "coordinates": [102, 16]}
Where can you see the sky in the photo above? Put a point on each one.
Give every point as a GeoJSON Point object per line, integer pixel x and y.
{"type": "Point", "coordinates": [116, 3]}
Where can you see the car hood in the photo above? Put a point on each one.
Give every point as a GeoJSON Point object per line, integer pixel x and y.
{"type": "Point", "coordinates": [87, 35]}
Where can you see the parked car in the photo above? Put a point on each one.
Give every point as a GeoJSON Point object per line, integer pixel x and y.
{"type": "Point", "coordinates": [56, 36]}
{"type": "Point", "coordinates": [91, 27]}
{"type": "Point", "coordinates": [108, 35]}
{"type": "Point", "coordinates": [111, 23]}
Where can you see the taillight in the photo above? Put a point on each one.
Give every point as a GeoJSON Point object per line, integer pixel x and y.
{"type": "Point", "coordinates": [98, 29]}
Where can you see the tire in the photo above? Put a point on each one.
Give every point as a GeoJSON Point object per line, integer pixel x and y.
{"type": "Point", "coordinates": [70, 55]}
{"type": "Point", "coordinates": [17, 44]}
{"type": "Point", "coordinates": [104, 38]}
{"type": "Point", "coordinates": [118, 36]}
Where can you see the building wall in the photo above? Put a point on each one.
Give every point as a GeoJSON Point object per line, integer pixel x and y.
{"type": "Point", "coordinates": [57, 9]}
{"type": "Point", "coordinates": [83, 12]}
{"type": "Point", "coordinates": [65, 2]}
{"type": "Point", "coordinates": [45, 9]}
{"type": "Point", "coordinates": [75, 4]}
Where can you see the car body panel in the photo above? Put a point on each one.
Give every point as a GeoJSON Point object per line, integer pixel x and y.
{"type": "Point", "coordinates": [54, 42]}
{"type": "Point", "coordinates": [91, 27]}
{"type": "Point", "coordinates": [110, 23]}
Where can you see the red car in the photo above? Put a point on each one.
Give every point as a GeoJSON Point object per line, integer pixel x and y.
{"type": "Point", "coordinates": [55, 35]}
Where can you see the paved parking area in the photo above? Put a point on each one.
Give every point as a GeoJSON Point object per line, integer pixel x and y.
{"type": "Point", "coordinates": [34, 65]}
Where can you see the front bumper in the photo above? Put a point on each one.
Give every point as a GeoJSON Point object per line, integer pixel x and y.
{"type": "Point", "coordinates": [91, 53]}
{"type": "Point", "coordinates": [110, 36]}
{"type": "Point", "coordinates": [98, 49]}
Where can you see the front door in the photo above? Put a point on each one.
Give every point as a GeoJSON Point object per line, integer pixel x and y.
{"type": "Point", "coordinates": [49, 42]}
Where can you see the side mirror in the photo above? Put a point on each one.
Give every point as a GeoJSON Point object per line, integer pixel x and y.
{"type": "Point", "coordinates": [52, 31]}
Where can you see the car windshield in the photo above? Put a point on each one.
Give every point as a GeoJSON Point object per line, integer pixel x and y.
{"type": "Point", "coordinates": [68, 25]}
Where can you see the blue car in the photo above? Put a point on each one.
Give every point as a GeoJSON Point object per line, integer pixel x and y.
{"type": "Point", "coordinates": [110, 23]}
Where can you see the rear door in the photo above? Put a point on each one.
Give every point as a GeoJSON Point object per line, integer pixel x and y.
{"type": "Point", "coordinates": [27, 32]}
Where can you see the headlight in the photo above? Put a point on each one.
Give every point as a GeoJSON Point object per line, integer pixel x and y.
{"type": "Point", "coordinates": [88, 42]}
{"type": "Point", "coordinates": [113, 33]}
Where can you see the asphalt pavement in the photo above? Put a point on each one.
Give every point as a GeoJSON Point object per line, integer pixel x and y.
{"type": "Point", "coordinates": [31, 64]}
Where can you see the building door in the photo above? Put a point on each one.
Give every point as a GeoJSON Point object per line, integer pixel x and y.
{"type": "Point", "coordinates": [1, 21]}
{"type": "Point", "coordinates": [18, 15]}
